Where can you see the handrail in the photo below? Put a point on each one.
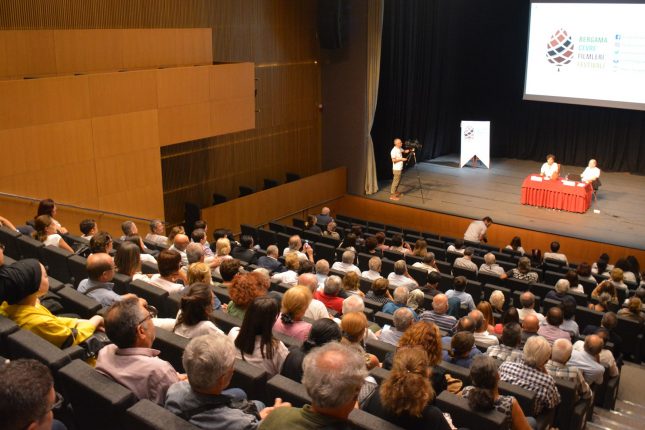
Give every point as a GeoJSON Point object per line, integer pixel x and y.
{"type": "Point", "coordinates": [303, 210]}
{"type": "Point", "coordinates": [67, 205]}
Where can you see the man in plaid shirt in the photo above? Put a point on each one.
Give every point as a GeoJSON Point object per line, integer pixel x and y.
{"type": "Point", "coordinates": [558, 368]}
{"type": "Point", "coordinates": [531, 375]}
{"type": "Point", "coordinates": [508, 349]}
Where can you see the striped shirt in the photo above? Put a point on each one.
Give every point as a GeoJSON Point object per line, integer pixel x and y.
{"type": "Point", "coordinates": [504, 353]}
{"type": "Point", "coordinates": [444, 321]}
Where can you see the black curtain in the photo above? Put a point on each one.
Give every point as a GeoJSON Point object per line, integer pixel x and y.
{"type": "Point", "coordinates": [443, 61]}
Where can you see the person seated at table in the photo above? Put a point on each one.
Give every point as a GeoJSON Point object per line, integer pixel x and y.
{"type": "Point", "coordinates": [550, 169]}
{"type": "Point", "coordinates": [591, 173]}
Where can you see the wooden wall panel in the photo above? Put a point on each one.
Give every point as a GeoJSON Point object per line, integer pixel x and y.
{"type": "Point", "coordinates": [114, 93]}
{"type": "Point", "coordinates": [243, 74]}
{"type": "Point", "coordinates": [184, 123]}
{"type": "Point", "coordinates": [120, 135]}
{"type": "Point", "coordinates": [232, 115]}
{"type": "Point", "coordinates": [88, 50]}
{"type": "Point", "coordinates": [184, 85]}
{"type": "Point", "coordinates": [27, 53]}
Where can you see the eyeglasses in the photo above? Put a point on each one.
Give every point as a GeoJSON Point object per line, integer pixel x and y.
{"type": "Point", "coordinates": [58, 402]}
{"type": "Point", "coordinates": [152, 312]}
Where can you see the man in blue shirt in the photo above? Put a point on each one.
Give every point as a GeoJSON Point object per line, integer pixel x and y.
{"type": "Point", "coordinates": [100, 269]}
{"type": "Point", "coordinates": [459, 285]}
{"type": "Point", "coordinates": [401, 295]}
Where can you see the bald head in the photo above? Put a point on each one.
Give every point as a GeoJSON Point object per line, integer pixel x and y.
{"type": "Point", "coordinates": [478, 317]}
{"type": "Point", "coordinates": [593, 344]}
{"type": "Point", "coordinates": [440, 304]}
{"type": "Point", "coordinates": [308, 280]}
{"type": "Point", "coordinates": [100, 267]}
{"type": "Point", "coordinates": [531, 324]}
{"type": "Point", "coordinates": [325, 211]}
{"type": "Point", "coordinates": [181, 242]}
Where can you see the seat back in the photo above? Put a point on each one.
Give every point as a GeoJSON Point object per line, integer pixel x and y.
{"type": "Point", "coordinates": [474, 288]}
{"type": "Point", "coordinates": [149, 268]}
{"type": "Point", "coordinates": [379, 374]}
{"type": "Point", "coordinates": [419, 275]}
{"type": "Point", "coordinates": [632, 334]}
{"type": "Point", "coordinates": [463, 416]}
{"type": "Point", "coordinates": [363, 261]}
{"type": "Point", "coordinates": [9, 238]}
{"type": "Point", "coordinates": [77, 266]}
{"type": "Point", "coordinates": [25, 344]}
{"type": "Point", "coordinates": [78, 303]}
{"type": "Point", "coordinates": [458, 372]}
{"type": "Point", "coordinates": [526, 398]}
{"type": "Point", "coordinates": [147, 415]}
{"type": "Point", "coordinates": [366, 421]}
{"type": "Point", "coordinates": [249, 230]}
{"type": "Point", "coordinates": [98, 401]}
{"type": "Point", "coordinates": [121, 283]}
{"type": "Point", "coordinates": [224, 321]}
{"type": "Point", "coordinates": [586, 316]}
{"type": "Point", "coordinates": [461, 271]}
{"type": "Point", "coordinates": [252, 379]}
{"type": "Point", "coordinates": [324, 251]}
{"type": "Point", "coordinates": [565, 413]}
{"type": "Point", "coordinates": [387, 267]}
{"type": "Point", "coordinates": [288, 390]}
{"type": "Point", "coordinates": [153, 294]}
{"type": "Point", "coordinates": [443, 266]}
{"type": "Point", "coordinates": [266, 237]}
{"type": "Point", "coordinates": [283, 241]}
{"type": "Point", "coordinates": [171, 346]}
{"type": "Point", "coordinates": [28, 247]}
{"type": "Point", "coordinates": [381, 318]}
{"type": "Point", "coordinates": [6, 328]}
{"type": "Point", "coordinates": [378, 348]}
{"type": "Point", "coordinates": [516, 284]}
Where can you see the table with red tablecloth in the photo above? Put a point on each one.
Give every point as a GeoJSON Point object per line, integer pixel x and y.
{"type": "Point", "coordinates": [555, 194]}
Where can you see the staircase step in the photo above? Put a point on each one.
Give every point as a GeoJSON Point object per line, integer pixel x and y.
{"type": "Point", "coordinates": [630, 408]}
{"type": "Point", "coordinates": [615, 419]}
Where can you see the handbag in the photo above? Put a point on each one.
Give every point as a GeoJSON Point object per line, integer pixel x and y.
{"type": "Point", "coordinates": [93, 344]}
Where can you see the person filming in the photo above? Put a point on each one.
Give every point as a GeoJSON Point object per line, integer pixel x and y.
{"type": "Point", "coordinates": [397, 167]}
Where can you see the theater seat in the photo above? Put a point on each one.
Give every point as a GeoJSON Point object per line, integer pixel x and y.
{"type": "Point", "coordinates": [463, 416]}
{"type": "Point", "coordinates": [172, 347]}
{"type": "Point", "coordinates": [379, 374]}
{"type": "Point", "coordinates": [526, 398]}
{"type": "Point", "coordinates": [98, 402]}
{"type": "Point", "coordinates": [147, 415]}
{"type": "Point", "coordinates": [252, 379]}
{"type": "Point", "coordinates": [224, 321]}
{"type": "Point", "coordinates": [461, 271]}
{"type": "Point", "coordinates": [382, 318]}
{"type": "Point", "coordinates": [121, 283]}
{"type": "Point", "coordinates": [9, 238]}
{"type": "Point", "coordinates": [25, 344]}
{"type": "Point", "coordinates": [78, 303]}
{"type": "Point", "coordinates": [155, 296]}
{"type": "Point", "coordinates": [571, 413]}
{"type": "Point", "coordinates": [288, 390]}
{"type": "Point", "coordinates": [222, 293]}
{"type": "Point", "coordinates": [378, 348]}
{"type": "Point", "coordinates": [6, 328]}
{"type": "Point", "coordinates": [77, 266]}
{"type": "Point", "coordinates": [366, 421]}
{"type": "Point", "coordinates": [28, 247]}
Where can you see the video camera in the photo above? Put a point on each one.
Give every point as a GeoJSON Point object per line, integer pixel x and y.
{"type": "Point", "coordinates": [412, 144]}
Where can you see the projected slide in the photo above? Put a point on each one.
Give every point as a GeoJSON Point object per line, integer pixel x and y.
{"type": "Point", "coordinates": [591, 54]}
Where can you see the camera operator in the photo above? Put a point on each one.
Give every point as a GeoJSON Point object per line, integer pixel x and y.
{"type": "Point", "coordinates": [397, 167]}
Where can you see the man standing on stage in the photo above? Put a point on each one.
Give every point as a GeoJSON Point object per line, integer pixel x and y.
{"type": "Point", "coordinates": [397, 167]}
{"type": "Point", "coordinates": [476, 231]}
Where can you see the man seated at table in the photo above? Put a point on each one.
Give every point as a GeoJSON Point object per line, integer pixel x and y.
{"type": "Point", "coordinates": [550, 169]}
{"type": "Point", "coordinates": [591, 173]}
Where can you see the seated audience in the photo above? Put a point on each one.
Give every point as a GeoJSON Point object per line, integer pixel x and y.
{"type": "Point", "coordinates": [482, 337]}
{"type": "Point", "coordinates": [603, 303]}
{"type": "Point", "coordinates": [574, 282]}
{"type": "Point", "coordinates": [168, 262]}
{"type": "Point", "coordinates": [254, 341]}
{"type": "Point", "coordinates": [380, 239]}
{"type": "Point", "coordinates": [222, 254]}
{"type": "Point", "coordinates": [329, 296]}
{"type": "Point", "coordinates": [420, 248]}
{"type": "Point", "coordinates": [527, 300]}
{"type": "Point", "coordinates": [88, 228]}
{"type": "Point", "coordinates": [128, 261]}
{"type": "Point", "coordinates": [324, 217]}
{"type": "Point", "coordinates": [294, 305]}
{"type": "Point", "coordinates": [439, 314]}
{"type": "Point", "coordinates": [551, 330]}
{"type": "Point", "coordinates": [510, 315]}
{"type": "Point", "coordinates": [530, 327]}
{"type": "Point", "coordinates": [587, 359]}
{"type": "Point", "coordinates": [399, 245]}
{"type": "Point", "coordinates": [178, 229]}
{"type": "Point", "coordinates": [228, 270]}
{"type": "Point", "coordinates": [523, 271]}
{"type": "Point", "coordinates": [560, 367]}
{"type": "Point", "coordinates": [195, 309]}
{"type": "Point", "coordinates": [371, 247]}
{"type": "Point", "coordinates": [633, 311]}
{"type": "Point", "coordinates": [584, 273]}
{"type": "Point", "coordinates": [458, 287]}
{"type": "Point", "coordinates": [416, 300]}
{"type": "Point", "coordinates": [490, 267]}
{"type": "Point", "coordinates": [509, 348]}
{"type": "Point", "coordinates": [458, 247]}
{"type": "Point", "coordinates": [129, 228]}
{"type": "Point", "coordinates": [179, 244]}
{"type": "Point", "coordinates": [484, 395]}
{"type": "Point", "coordinates": [46, 232]}
{"type": "Point", "coordinates": [497, 301]}
{"type": "Point", "coordinates": [347, 264]}
{"type": "Point", "coordinates": [400, 300]}
{"type": "Point", "coordinates": [353, 328]}
{"type": "Point", "coordinates": [602, 266]}
{"type": "Point", "coordinates": [405, 398]}
{"type": "Point", "coordinates": [374, 271]}
{"type": "Point", "coordinates": [245, 288]}
{"type": "Point", "coordinates": [27, 396]}
{"type": "Point", "coordinates": [530, 374]}
{"type": "Point", "coordinates": [101, 242]}
{"type": "Point", "coordinates": [295, 247]}
{"type": "Point", "coordinates": [616, 277]}
{"type": "Point", "coordinates": [136, 239]}
{"type": "Point", "coordinates": [625, 264]}
{"type": "Point", "coordinates": [270, 261]}
{"type": "Point", "coordinates": [606, 287]}
{"type": "Point", "coordinates": [400, 277]}
{"type": "Point", "coordinates": [100, 269]}
{"type": "Point", "coordinates": [379, 292]}
{"type": "Point", "coordinates": [49, 208]}
{"type": "Point", "coordinates": [516, 245]}
{"type": "Point", "coordinates": [322, 271]}
{"type": "Point", "coordinates": [487, 310]}
{"type": "Point", "coordinates": [568, 306]}
{"type": "Point", "coordinates": [461, 349]}
{"type": "Point", "coordinates": [157, 233]}
{"type": "Point", "coordinates": [316, 309]}
{"type": "Point", "coordinates": [194, 254]}
{"type": "Point", "coordinates": [555, 253]}
{"type": "Point", "coordinates": [311, 225]}
{"type": "Point", "coordinates": [290, 276]}
{"type": "Point", "coordinates": [431, 287]}
{"type": "Point", "coordinates": [351, 284]}
{"type": "Point", "coordinates": [322, 332]}
{"type": "Point", "coordinates": [561, 290]}
{"type": "Point", "coordinates": [403, 318]}
{"type": "Point", "coordinates": [245, 251]}
{"type": "Point", "coordinates": [203, 399]}
{"type": "Point", "coordinates": [331, 231]}
{"type": "Point", "coordinates": [333, 376]}
{"type": "Point", "coordinates": [350, 242]}
{"type": "Point", "coordinates": [130, 360]}
{"type": "Point", "coordinates": [429, 264]}
{"type": "Point", "coordinates": [24, 282]}
{"type": "Point", "coordinates": [466, 262]}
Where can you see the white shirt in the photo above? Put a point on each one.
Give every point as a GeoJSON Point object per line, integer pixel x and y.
{"type": "Point", "coordinates": [171, 287]}
{"type": "Point", "coordinates": [289, 277]}
{"type": "Point", "coordinates": [452, 248]}
{"type": "Point", "coordinates": [184, 257]}
{"type": "Point", "coordinates": [486, 339]}
{"type": "Point", "coordinates": [590, 174]}
{"type": "Point", "coordinates": [316, 310]}
{"type": "Point", "coordinates": [202, 327]}
{"type": "Point", "coordinates": [396, 153]}
{"type": "Point", "coordinates": [52, 239]}
{"type": "Point", "coordinates": [494, 269]}
{"type": "Point", "coordinates": [519, 249]}
{"type": "Point", "coordinates": [424, 266]}
{"type": "Point", "coordinates": [272, 366]}
{"type": "Point", "coordinates": [401, 281]}
{"type": "Point", "coordinates": [524, 312]}
{"type": "Point", "coordinates": [372, 275]}
{"type": "Point", "coordinates": [475, 231]}
{"type": "Point", "coordinates": [301, 255]}
{"type": "Point", "coordinates": [557, 256]}
{"type": "Point", "coordinates": [549, 170]}
{"type": "Point", "coordinates": [344, 267]}
{"type": "Point", "coordinates": [147, 257]}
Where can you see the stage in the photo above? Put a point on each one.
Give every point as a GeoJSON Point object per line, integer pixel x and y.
{"type": "Point", "coordinates": [478, 192]}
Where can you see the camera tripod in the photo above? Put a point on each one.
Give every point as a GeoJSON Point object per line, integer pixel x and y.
{"type": "Point", "coordinates": [413, 156]}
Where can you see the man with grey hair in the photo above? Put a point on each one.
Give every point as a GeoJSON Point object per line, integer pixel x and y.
{"type": "Point", "coordinates": [374, 265]}
{"type": "Point", "coordinates": [194, 253]}
{"type": "Point", "coordinates": [482, 337]}
{"type": "Point", "coordinates": [333, 376]}
{"type": "Point", "coordinates": [270, 261]}
{"type": "Point", "coordinates": [156, 234]}
{"type": "Point", "coordinates": [329, 295]}
{"type": "Point", "coordinates": [203, 400]}
{"type": "Point", "coordinates": [129, 228]}
{"type": "Point", "coordinates": [490, 267]}
{"type": "Point", "coordinates": [403, 319]}
{"type": "Point", "coordinates": [401, 296]}
{"type": "Point", "coordinates": [355, 303]}
{"type": "Point", "coordinates": [295, 247]}
{"type": "Point", "coordinates": [508, 349]}
{"type": "Point", "coordinates": [558, 367]}
{"type": "Point", "coordinates": [527, 300]}
{"type": "Point", "coordinates": [530, 374]}
{"type": "Point", "coordinates": [316, 309]}
{"type": "Point", "coordinates": [400, 277]}
{"type": "Point", "coordinates": [588, 359]}
{"type": "Point", "coordinates": [466, 262]}
{"type": "Point", "coordinates": [428, 263]}
{"type": "Point", "coordinates": [439, 314]}
{"type": "Point", "coordinates": [561, 290]}
{"type": "Point", "coordinates": [322, 271]}
{"type": "Point", "coordinates": [347, 265]}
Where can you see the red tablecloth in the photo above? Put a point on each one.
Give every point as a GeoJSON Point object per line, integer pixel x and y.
{"type": "Point", "coordinates": [555, 195]}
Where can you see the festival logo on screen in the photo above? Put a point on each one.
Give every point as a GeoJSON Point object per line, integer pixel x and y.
{"type": "Point", "coordinates": [469, 132]}
{"type": "Point", "coordinates": [559, 49]}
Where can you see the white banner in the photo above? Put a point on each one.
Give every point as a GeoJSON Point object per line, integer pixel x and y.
{"type": "Point", "coordinates": [475, 141]}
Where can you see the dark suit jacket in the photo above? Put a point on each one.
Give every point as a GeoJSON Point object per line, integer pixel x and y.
{"type": "Point", "coordinates": [245, 254]}
{"type": "Point", "coordinates": [323, 219]}
{"type": "Point", "coordinates": [271, 264]}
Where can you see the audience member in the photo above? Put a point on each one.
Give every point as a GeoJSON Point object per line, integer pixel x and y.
{"type": "Point", "coordinates": [439, 314]}
{"type": "Point", "coordinates": [349, 243]}
{"type": "Point", "coordinates": [329, 295]}
{"type": "Point", "coordinates": [294, 305]}
{"type": "Point", "coordinates": [228, 270]}
{"type": "Point", "coordinates": [400, 277]}
{"type": "Point", "coordinates": [354, 330]}
{"type": "Point", "coordinates": [568, 306]}
{"type": "Point", "coordinates": [380, 239]}
{"type": "Point", "coordinates": [157, 233]}
{"type": "Point", "coordinates": [178, 229]}
{"type": "Point", "coordinates": [129, 228]}
{"type": "Point", "coordinates": [405, 398]}
{"type": "Point", "coordinates": [482, 337]}
{"type": "Point", "coordinates": [551, 330]}
{"type": "Point", "coordinates": [351, 284]}
{"type": "Point", "coordinates": [555, 253]}
{"type": "Point", "coordinates": [128, 261]}
{"type": "Point", "coordinates": [559, 367]}
{"type": "Point", "coordinates": [429, 264]}
{"type": "Point", "coordinates": [587, 359]}
{"type": "Point", "coordinates": [466, 262]}
{"type": "Point", "coordinates": [616, 277]}
{"type": "Point", "coordinates": [574, 282]}
{"type": "Point", "coordinates": [400, 300]}
{"type": "Point", "coordinates": [47, 233]}
{"type": "Point", "coordinates": [399, 245]}
{"type": "Point", "coordinates": [431, 287]}
{"type": "Point", "coordinates": [245, 251]}
{"type": "Point", "coordinates": [530, 374]}
{"type": "Point", "coordinates": [290, 276]}
{"type": "Point", "coordinates": [49, 208]}
{"type": "Point", "coordinates": [510, 315]}
{"type": "Point", "coordinates": [331, 231]}
{"type": "Point", "coordinates": [461, 349]}
{"type": "Point", "coordinates": [561, 290]}
{"type": "Point", "coordinates": [195, 310]}
{"type": "Point", "coordinates": [168, 262]}
{"type": "Point", "coordinates": [322, 272]}
{"type": "Point", "coordinates": [484, 395]}
{"type": "Point", "coordinates": [509, 348]}
{"type": "Point", "coordinates": [459, 285]}
{"type": "Point", "coordinates": [490, 267]}
{"type": "Point", "coordinates": [606, 287]}
{"type": "Point", "coordinates": [584, 273]}
{"type": "Point", "coordinates": [100, 269]}
{"type": "Point", "coordinates": [130, 361]}
{"type": "Point", "coordinates": [527, 300]}
{"type": "Point", "coordinates": [516, 245]}
{"type": "Point", "coordinates": [311, 225]}
{"type": "Point", "coordinates": [254, 341]}
{"type": "Point", "coordinates": [403, 319]}
{"type": "Point", "coordinates": [487, 310]}
{"type": "Point", "coordinates": [374, 271]}
{"type": "Point", "coordinates": [136, 239]}
{"type": "Point", "coordinates": [530, 327]}
{"type": "Point", "coordinates": [295, 247]}
{"type": "Point", "coordinates": [523, 271]}
{"type": "Point", "coordinates": [371, 247]}
{"type": "Point", "coordinates": [459, 247]}
{"type": "Point", "coordinates": [602, 266]}
{"type": "Point", "coordinates": [497, 301]}
{"type": "Point", "coordinates": [245, 288]}
{"type": "Point", "coordinates": [88, 228]}
{"type": "Point", "coordinates": [379, 291]}
{"type": "Point", "coordinates": [476, 231]}
{"type": "Point", "coordinates": [420, 248]}
{"type": "Point", "coordinates": [625, 265]}
{"type": "Point", "coordinates": [316, 309]}
{"type": "Point", "coordinates": [634, 310]}
{"type": "Point", "coordinates": [101, 242]}
{"type": "Point", "coordinates": [324, 217]}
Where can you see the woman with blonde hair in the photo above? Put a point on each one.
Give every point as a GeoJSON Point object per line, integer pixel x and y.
{"type": "Point", "coordinates": [487, 310]}
{"type": "Point", "coordinates": [199, 272]}
{"type": "Point", "coordinates": [420, 248]}
{"type": "Point", "coordinates": [294, 305]}
{"type": "Point", "coordinates": [351, 284]}
{"type": "Point", "coordinates": [405, 397]}
{"type": "Point", "coordinates": [633, 311]}
{"type": "Point", "coordinates": [47, 233]}
{"type": "Point", "coordinates": [606, 287]}
{"type": "Point", "coordinates": [353, 327]}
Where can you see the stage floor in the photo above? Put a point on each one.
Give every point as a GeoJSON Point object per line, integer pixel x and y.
{"type": "Point", "coordinates": [478, 192]}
